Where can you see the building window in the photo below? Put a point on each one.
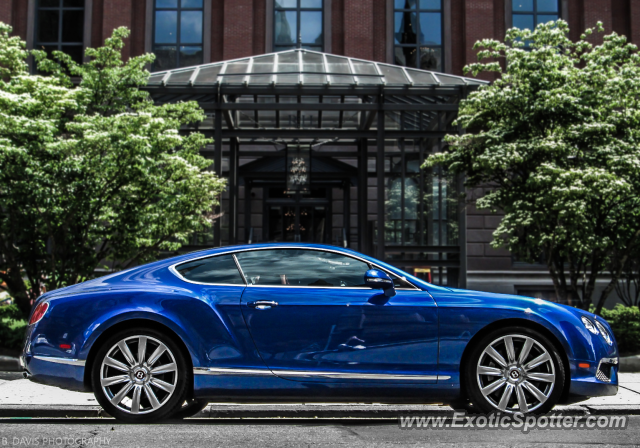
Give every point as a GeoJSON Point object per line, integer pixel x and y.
{"type": "Point", "coordinates": [531, 13]}
{"type": "Point", "coordinates": [417, 34]}
{"type": "Point", "coordinates": [298, 23]}
{"type": "Point", "coordinates": [60, 26]}
{"type": "Point", "coordinates": [178, 33]}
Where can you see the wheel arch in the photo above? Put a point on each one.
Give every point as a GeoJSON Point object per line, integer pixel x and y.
{"type": "Point", "coordinates": [136, 323]}
{"type": "Point", "coordinates": [503, 323]}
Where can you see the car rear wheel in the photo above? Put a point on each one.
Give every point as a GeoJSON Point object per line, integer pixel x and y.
{"type": "Point", "coordinates": [514, 370]}
{"type": "Point", "coordinates": [140, 376]}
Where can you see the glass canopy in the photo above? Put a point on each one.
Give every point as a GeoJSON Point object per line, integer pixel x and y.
{"type": "Point", "coordinates": [301, 67]}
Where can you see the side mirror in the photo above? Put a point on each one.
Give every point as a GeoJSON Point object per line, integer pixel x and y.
{"type": "Point", "coordinates": [379, 280]}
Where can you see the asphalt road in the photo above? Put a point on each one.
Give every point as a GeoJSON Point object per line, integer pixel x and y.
{"type": "Point", "coordinates": [285, 433]}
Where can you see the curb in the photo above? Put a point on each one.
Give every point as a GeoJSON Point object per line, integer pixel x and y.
{"type": "Point", "coordinates": [322, 411]}
{"type": "Point", "coordinates": [295, 412]}
{"type": "Point", "coordinates": [29, 411]}
{"type": "Point", "coordinates": [629, 364]}
{"type": "Point", "coordinates": [238, 412]}
{"type": "Point", "coordinates": [618, 409]}
{"type": "Point", "coordinates": [9, 364]}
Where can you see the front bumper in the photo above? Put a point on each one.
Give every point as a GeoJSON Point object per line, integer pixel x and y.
{"type": "Point", "coordinates": [598, 380]}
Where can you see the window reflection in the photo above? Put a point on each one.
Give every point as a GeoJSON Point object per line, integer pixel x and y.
{"type": "Point", "coordinates": [298, 20]}
{"type": "Point", "coordinates": [527, 14]}
{"type": "Point", "coordinates": [294, 267]}
{"type": "Point", "coordinates": [178, 33]}
{"type": "Point", "coordinates": [221, 270]}
{"type": "Point", "coordinates": [60, 26]}
{"type": "Point", "coordinates": [418, 34]}
{"type": "Point", "coordinates": [420, 205]}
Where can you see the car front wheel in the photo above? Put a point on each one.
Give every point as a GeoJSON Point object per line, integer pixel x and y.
{"type": "Point", "coordinates": [140, 376]}
{"type": "Point", "coordinates": [514, 370]}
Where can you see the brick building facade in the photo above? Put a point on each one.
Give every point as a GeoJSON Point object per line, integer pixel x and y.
{"type": "Point", "coordinates": [433, 35]}
{"type": "Point", "coordinates": [357, 28]}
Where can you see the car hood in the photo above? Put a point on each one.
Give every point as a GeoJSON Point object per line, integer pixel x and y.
{"type": "Point", "coordinates": [524, 303]}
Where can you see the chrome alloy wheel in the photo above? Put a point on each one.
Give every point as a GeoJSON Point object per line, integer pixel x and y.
{"type": "Point", "coordinates": [140, 383]}
{"type": "Point", "coordinates": [516, 374]}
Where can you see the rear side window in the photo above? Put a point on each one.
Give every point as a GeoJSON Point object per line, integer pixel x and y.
{"type": "Point", "coordinates": [299, 267]}
{"type": "Point", "coordinates": [221, 270]}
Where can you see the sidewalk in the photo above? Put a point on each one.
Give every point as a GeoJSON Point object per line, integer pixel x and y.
{"type": "Point", "coordinates": [23, 398]}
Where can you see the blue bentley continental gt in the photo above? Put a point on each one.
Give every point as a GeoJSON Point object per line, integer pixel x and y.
{"type": "Point", "coordinates": [294, 323]}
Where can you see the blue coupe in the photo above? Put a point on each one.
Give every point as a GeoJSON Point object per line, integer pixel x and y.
{"type": "Point", "coordinates": [309, 323]}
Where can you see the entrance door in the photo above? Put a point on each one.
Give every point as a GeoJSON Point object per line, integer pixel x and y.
{"type": "Point", "coordinates": [298, 218]}
{"type": "Point", "coordinates": [312, 319]}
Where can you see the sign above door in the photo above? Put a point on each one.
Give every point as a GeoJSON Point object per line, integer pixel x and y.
{"type": "Point", "coordinates": [298, 169]}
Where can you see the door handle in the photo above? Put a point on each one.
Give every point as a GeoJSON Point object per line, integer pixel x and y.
{"type": "Point", "coordinates": [262, 304]}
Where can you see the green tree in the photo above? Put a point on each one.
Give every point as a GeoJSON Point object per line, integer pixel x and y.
{"type": "Point", "coordinates": [555, 140]}
{"type": "Point", "coordinates": [95, 174]}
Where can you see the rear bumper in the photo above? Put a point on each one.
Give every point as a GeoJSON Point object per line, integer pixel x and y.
{"type": "Point", "coordinates": [65, 373]}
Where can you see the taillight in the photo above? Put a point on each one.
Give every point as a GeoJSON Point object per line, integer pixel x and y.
{"type": "Point", "coordinates": [38, 313]}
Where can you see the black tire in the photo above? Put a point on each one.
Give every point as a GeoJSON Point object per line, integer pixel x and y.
{"type": "Point", "coordinates": [520, 380]}
{"type": "Point", "coordinates": [175, 382]}
{"type": "Point", "coordinates": [190, 408]}
{"type": "Point", "coordinates": [464, 405]}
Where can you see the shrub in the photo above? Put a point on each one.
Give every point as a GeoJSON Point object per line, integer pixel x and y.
{"type": "Point", "coordinates": [625, 323]}
{"type": "Point", "coordinates": [12, 328]}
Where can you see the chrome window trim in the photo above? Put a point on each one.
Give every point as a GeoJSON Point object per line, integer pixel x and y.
{"type": "Point", "coordinates": [173, 270]}
{"type": "Point", "coordinates": [68, 361]}
{"type": "Point", "coordinates": [244, 277]}
{"type": "Point", "coordinates": [312, 374]}
{"type": "Point", "coordinates": [309, 287]}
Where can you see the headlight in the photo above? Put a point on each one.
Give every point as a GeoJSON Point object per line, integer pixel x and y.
{"type": "Point", "coordinates": [590, 326]}
{"type": "Point", "coordinates": [603, 331]}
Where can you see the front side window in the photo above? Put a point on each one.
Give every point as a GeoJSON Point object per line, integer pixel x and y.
{"type": "Point", "coordinates": [60, 26]}
{"type": "Point", "coordinates": [298, 20]}
{"type": "Point", "coordinates": [531, 13]}
{"type": "Point", "coordinates": [417, 34]}
{"type": "Point", "coordinates": [215, 270]}
{"type": "Point", "coordinates": [178, 33]}
{"type": "Point", "coordinates": [299, 267]}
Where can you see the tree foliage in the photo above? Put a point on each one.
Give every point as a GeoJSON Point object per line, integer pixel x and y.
{"type": "Point", "coordinates": [555, 140]}
{"type": "Point", "coordinates": [625, 323]}
{"type": "Point", "coordinates": [93, 174]}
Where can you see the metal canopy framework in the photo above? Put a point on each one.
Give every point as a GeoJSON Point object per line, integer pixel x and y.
{"type": "Point", "coordinates": [312, 93]}
{"type": "Point", "coordinates": [304, 96]}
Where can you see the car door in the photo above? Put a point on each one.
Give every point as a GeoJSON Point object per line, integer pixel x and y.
{"type": "Point", "coordinates": [218, 326]}
{"type": "Point", "coordinates": [312, 319]}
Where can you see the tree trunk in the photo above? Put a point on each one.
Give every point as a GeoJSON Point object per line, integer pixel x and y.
{"type": "Point", "coordinates": [558, 278]}
{"type": "Point", "coordinates": [616, 272]}
{"type": "Point", "coordinates": [591, 285]}
{"type": "Point", "coordinates": [18, 290]}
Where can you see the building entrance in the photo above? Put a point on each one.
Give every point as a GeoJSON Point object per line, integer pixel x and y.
{"type": "Point", "coordinates": [297, 217]}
